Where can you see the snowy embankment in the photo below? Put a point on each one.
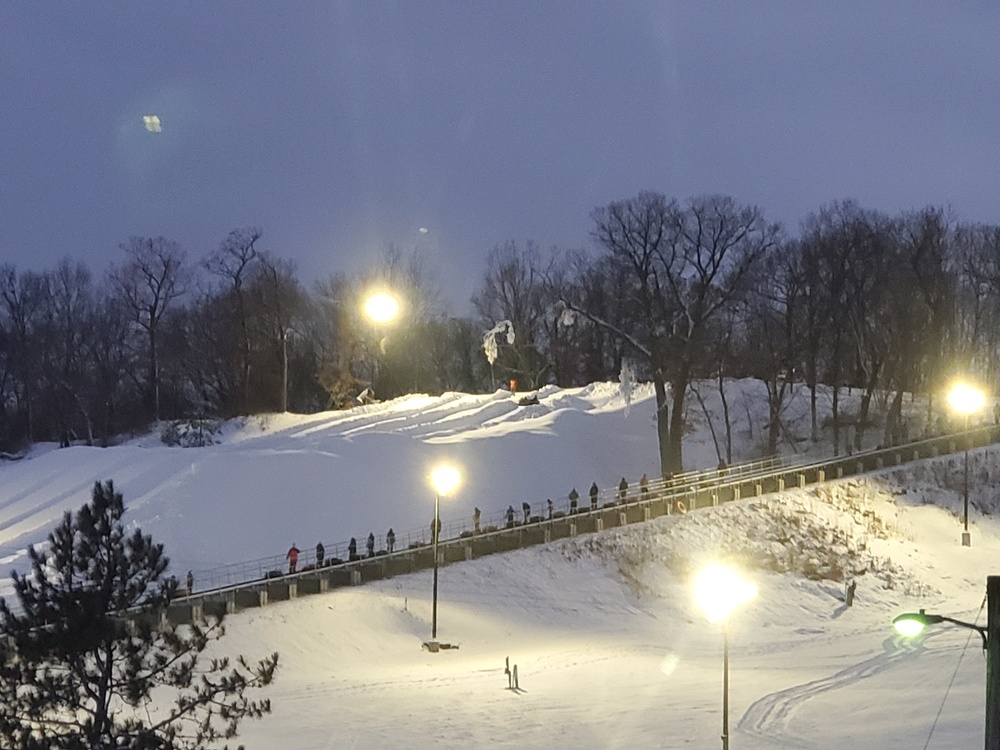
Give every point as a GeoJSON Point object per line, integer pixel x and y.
{"type": "Point", "coordinates": [610, 649]}
{"type": "Point", "coordinates": [612, 653]}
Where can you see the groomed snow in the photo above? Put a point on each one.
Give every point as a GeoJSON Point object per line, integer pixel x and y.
{"type": "Point", "coordinates": [610, 649]}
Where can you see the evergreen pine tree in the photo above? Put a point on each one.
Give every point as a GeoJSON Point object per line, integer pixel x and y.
{"type": "Point", "coordinates": [85, 662]}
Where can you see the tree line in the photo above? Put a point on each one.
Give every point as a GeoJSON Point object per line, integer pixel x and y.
{"type": "Point", "coordinates": [676, 291]}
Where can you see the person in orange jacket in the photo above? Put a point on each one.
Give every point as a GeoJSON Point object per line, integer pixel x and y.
{"type": "Point", "coordinates": [293, 558]}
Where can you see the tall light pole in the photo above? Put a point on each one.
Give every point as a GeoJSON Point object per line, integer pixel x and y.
{"type": "Point", "coordinates": [381, 308]}
{"type": "Point", "coordinates": [913, 623]}
{"type": "Point", "coordinates": [718, 591]}
{"type": "Point", "coordinates": [966, 400]}
{"type": "Point", "coordinates": [445, 479]}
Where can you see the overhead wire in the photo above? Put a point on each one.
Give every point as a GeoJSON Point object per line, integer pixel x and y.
{"type": "Point", "coordinates": [951, 682]}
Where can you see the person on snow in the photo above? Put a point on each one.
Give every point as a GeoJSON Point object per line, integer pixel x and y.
{"type": "Point", "coordinates": [510, 516]}
{"type": "Point", "coordinates": [371, 544]}
{"type": "Point", "coordinates": [622, 490]}
{"type": "Point", "coordinates": [190, 582]}
{"type": "Point", "coordinates": [573, 497]}
{"type": "Point", "coordinates": [293, 558]}
{"type": "Point", "coordinates": [527, 511]}
{"type": "Point", "coordinates": [390, 539]}
{"type": "Point", "coordinates": [352, 549]}
{"type": "Point", "coordinates": [549, 504]}
{"type": "Point", "coordinates": [320, 554]}
{"type": "Point", "coordinates": [593, 496]}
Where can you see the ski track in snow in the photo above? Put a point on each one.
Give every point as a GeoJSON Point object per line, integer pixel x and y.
{"type": "Point", "coordinates": [771, 717]}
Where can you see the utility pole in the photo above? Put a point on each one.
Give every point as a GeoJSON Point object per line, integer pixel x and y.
{"type": "Point", "coordinates": [993, 663]}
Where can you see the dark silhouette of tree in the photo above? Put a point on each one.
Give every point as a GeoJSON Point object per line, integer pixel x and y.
{"type": "Point", "coordinates": [235, 262]}
{"type": "Point", "coordinates": [150, 280]}
{"type": "Point", "coordinates": [514, 289]}
{"type": "Point", "coordinates": [688, 265]}
{"type": "Point", "coordinates": [80, 658]}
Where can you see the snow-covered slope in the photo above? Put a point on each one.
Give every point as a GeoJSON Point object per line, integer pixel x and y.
{"type": "Point", "coordinates": [611, 652]}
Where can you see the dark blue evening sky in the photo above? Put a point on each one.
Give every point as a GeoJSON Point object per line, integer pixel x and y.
{"type": "Point", "coordinates": [342, 127]}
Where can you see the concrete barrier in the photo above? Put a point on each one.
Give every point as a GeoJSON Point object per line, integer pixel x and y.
{"type": "Point", "coordinates": [318, 585]}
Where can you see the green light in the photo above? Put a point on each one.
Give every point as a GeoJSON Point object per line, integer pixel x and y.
{"type": "Point", "coordinates": [908, 626]}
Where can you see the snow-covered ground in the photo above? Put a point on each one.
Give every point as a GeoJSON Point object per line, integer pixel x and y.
{"type": "Point", "coordinates": [610, 648]}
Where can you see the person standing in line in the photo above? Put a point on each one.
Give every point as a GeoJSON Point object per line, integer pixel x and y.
{"type": "Point", "coordinates": [320, 554]}
{"type": "Point", "coordinates": [622, 490]}
{"type": "Point", "coordinates": [371, 544]}
{"type": "Point", "coordinates": [190, 582]}
{"type": "Point", "coordinates": [593, 496]}
{"type": "Point", "coordinates": [293, 558]}
{"type": "Point", "coordinates": [527, 511]}
{"type": "Point", "coordinates": [390, 539]}
{"type": "Point", "coordinates": [510, 516]}
{"type": "Point", "coordinates": [574, 496]}
{"type": "Point", "coordinates": [549, 504]}
{"type": "Point", "coordinates": [476, 515]}
{"type": "Point", "coordinates": [352, 549]}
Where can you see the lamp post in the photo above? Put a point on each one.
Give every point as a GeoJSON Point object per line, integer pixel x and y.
{"type": "Point", "coordinates": [445, 479]}
{"type": "Point", "coordinates": [718, 591]}
{"type": "Point", "coordinates": [381, 308]}
{"type": "Point", "coordinates": [913, 623]}
{"type": "Point", "coordinates": [966, 400]}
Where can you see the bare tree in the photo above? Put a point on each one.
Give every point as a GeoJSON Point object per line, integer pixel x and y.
{"type": "Point", "coordinates": [234, 261]}
{"type": "Point", "coordinates": [514, 289]}
{"type": "Point", "coordinates": [688, 265]}
{"type": "Point", "coordinates": [772, 335]}
{"type": "Point", "coordinates": [150, 280]}
{"type": "Point", "coordinates": [279, 301]}
{"type": "Point", "coordinates": [22, 301]}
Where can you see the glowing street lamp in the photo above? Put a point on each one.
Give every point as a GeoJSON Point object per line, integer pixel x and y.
{"type": "Point", "coordinates": [913, 623]}
{"type": "Point", "coordinates": [381, 308]}
{"type": "Point", "coordinates": [445, 479]}
{"type": "Point", "coordinates": [966, 399]}
{"type": "Point", "coordinates": [718, 591]}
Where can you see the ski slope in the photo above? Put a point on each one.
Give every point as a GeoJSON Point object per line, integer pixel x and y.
{"type": "Point", "coordinates": [610, 649]}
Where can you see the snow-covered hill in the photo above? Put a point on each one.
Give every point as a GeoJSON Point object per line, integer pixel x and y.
{"type": "Point", "coordinates": [610, 649]}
